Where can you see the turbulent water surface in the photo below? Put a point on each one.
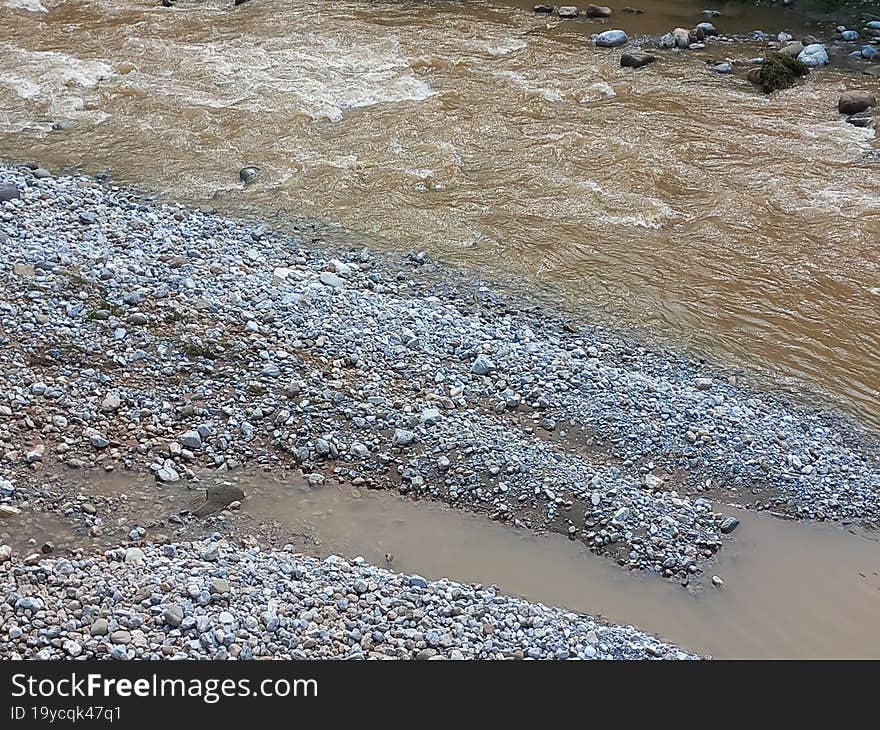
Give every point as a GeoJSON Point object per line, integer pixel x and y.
{"type": "Point", "coordinates": [668, 198]}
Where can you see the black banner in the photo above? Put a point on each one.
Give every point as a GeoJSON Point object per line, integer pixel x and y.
{"type": "Point", "coordinates": [135, 694]}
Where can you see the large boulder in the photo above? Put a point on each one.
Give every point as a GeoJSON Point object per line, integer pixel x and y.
{"type": "Point", "coordinates": [611, 38]}
{"type": "Point", "coordinates": [855, 101]}
{"type": "Point", "coordinates": [778, 71]}
{"type": "Point", "coordinates": [813, 55]}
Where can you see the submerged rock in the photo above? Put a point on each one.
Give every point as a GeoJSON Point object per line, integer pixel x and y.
{"type": "Point", "coordinates": [218, 497]}
{"type": "Point", "coordinates": [543, 8]}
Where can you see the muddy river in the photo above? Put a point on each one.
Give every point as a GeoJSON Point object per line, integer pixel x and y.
{"type": "Point", "coordinates": [791, 590]}
{"type": "Point", "coordinates": [669, 200]}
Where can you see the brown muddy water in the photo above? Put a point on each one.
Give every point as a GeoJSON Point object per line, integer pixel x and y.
{"type": "Point", "coordinates": [668, 200]}
{"type": "Point", "coordinates": [791, 590]}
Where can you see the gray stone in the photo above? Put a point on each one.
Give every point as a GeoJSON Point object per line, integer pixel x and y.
{"type": "Point", "coordinates": [611, 38]}
{"type": "Point", "coordinates": [636, 59]}
{"type": "Point", "coordinates": [482, 365]}
{"type": "Point", "coordinates": [100, 627]}
{"type": "Point", "coordinates": [191, 440]}
{"type": "Point", "coordinates": [9, 191]}
{"type": "Point", "coordinates": [173, 615]}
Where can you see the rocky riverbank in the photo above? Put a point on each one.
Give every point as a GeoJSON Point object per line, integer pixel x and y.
{"type": "Point", "coordinates": [160, 339]}
{"type": "Point", "coordinates": [853, 49]}
{"type": "Point", "coordinates": [222, 601]}
{"type": "Point", "coordinates": [153, 337]}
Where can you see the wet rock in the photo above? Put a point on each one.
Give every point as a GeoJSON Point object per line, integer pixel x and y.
{"type": "Point", "coordinates": [597, 11]}
{"type": "Point", "coordinates": [712, 13]}
{"type": "Point", "coordinates": [724, 68]}
{"type": "Point", "coordinates": [777, 72]}
{"type": "Point", "coordinates": [636, 59]}
{"type": "Point", "coordinates": [793, 49]}
{"type": "Point", "coordinates": [567, 11]}
{"type": "Point", "coordinates": [813, 55]}
{"type": "Point", "coordinates": [729, 525]}
{"type": "Point", "coordinates": [62, 125]}
{"type": "Point", "coordinates": [611, 39]}
{"type": "Point", "coordinates": [862, 119]}
{"type": "Point", "coordinates": [708, 29]}
{"type": "Point", "coordinates": [249, 174]}
{"type": "Point", "coordinates": [633, 11]}
{"type": "Point", "coordinates": [849, 35]}
{"type": "Point", "coordinates": [667, 40]}
{"type": "Point", "coordinates": [855, 101]}
{"type": "Point", "coordinates": [543, 8]}
{"type": "Point", "coordinates": [218, 497]}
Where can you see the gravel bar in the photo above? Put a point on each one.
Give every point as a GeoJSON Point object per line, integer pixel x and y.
{"type": "Point", "coordinates": [216, 600]}
{"type": "Point", "coordinates": [158, 338]}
